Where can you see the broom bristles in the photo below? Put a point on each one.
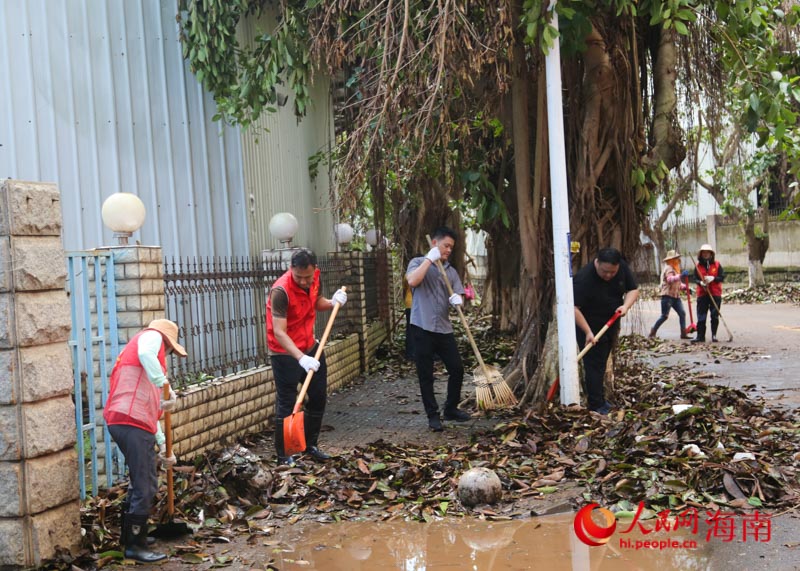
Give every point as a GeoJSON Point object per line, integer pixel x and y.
{"type": "Point", "coordinates": [492, 391]}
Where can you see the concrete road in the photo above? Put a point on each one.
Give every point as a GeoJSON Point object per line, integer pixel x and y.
{"type": "Point", "coordinates": [770, 331]}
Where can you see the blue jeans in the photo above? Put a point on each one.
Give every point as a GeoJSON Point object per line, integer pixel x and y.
{"type": "Point", "coordinates": [668, 303]}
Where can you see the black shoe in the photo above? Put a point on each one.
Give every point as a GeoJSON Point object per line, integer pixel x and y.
{"type": "Point", "coordinates": [287, 461]}
{"type": "Point", "coordinates": [457, 414]}
{"type": "Point", "coordinates": [714, 339]}
{"type": "Point", "coordinates": [435, 424]}
{"type": "Point", "coordinates": [604, 409]}
{"type": "Point", "coordinates": [698, 340]}
{"type": "Point", "coordinates": [317, 454]}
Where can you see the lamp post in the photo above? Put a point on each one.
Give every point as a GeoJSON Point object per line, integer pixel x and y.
{"type": "Point", "coordinates": [372, 237]}
{"type": "Point", "coordinates": [283, 226]}
{"type": "Point", "coordinates": [124, 214]}
{"type": "Point", "coordinates": [344, 235]}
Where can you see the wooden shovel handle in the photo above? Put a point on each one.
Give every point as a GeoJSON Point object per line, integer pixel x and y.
{"type": "Point", "coordinates": [168, 448]}
{"type": "Point", "coordinates": [461, 314]}
{"type": "Point", "coordinates": [317, 355]}
{"type": "Point", "coordinates": [600, 333]}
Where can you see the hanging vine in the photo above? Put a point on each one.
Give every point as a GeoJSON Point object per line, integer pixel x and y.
{"type": "Point", "coordinates": [244, 79]}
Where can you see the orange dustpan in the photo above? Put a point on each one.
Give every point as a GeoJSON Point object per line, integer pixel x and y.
{"type": "Point", "coordinates": [294, 425]}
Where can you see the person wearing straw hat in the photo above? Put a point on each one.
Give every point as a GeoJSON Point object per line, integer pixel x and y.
{"type": "Point", "coordinates": [671, 287]}
{"type": "Point", "coordinates": [292, 307]}
{"type": "Point", "coordinates": [601, 288]}
{"type": "Point", "coordinates": [709, 276]}
{"type": "Point", "coordinates": [132, 410]}
{"type": "Point", "coordinates": [431, 330]}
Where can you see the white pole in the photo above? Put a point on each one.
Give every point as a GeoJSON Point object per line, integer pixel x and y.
{"type": "Point", "coordinates": [565, 303]}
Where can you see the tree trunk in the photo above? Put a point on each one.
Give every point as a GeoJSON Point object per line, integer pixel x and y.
{"type": "Point", "coordinates": [757, 247]}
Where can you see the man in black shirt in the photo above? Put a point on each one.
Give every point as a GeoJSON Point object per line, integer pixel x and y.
{"type": "Point", "coordinates": [603, 286]}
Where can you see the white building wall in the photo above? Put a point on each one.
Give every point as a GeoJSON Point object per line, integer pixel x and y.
{"type": "Point", "coordinates": [96, 97]}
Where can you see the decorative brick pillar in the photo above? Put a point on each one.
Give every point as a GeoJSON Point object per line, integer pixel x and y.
{"type": "Point", "coordinates": [139, 277]}
{"type": "Point", "coordinates": [39, 505]}
{"type": "Point", "coordinates": [355, 310]}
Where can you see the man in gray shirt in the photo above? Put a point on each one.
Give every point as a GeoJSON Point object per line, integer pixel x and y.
{"type": "Point", "coordinates": [432, 333]}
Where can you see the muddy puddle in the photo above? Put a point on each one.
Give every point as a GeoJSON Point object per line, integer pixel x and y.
{"type": "Point", "coordinates": [543, 543]}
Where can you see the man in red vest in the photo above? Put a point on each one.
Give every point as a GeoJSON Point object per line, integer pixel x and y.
{"type": "Point", "coordinates": [132, 411]}
{"type": "Point", "coordinates": [291, 310]}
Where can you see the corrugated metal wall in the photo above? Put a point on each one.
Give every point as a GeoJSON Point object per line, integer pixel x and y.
{"type": "Point", "coordinates": [95, 96]}
{"type": "Point", "coordinates": [276, 153]}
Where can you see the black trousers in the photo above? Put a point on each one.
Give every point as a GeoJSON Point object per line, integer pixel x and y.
{"type": "Point", "coordinates": [594, 366]}
{"type": "Point", "coordinates": [139, 448]}
{"type": "Point", "coordinates": [704, 305]}
{"type": "Point", "coordinates": [426, 345]}
{"type": "Point", "coordinates": [288, 374]}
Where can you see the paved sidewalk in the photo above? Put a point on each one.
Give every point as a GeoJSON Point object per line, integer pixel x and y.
{"type": "Point", "coordinates": [386, 405]}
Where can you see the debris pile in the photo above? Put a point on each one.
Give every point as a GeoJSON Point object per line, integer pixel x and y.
{"type": "Point", "coordinates": [783, 292]}
{"type": "Point", "coordinates": [671, 442]}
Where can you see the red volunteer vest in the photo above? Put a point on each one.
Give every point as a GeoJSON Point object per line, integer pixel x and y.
{"type": "Point", "coordinates": [132, 398]}
{"type": "Point", "coordinates": [300, 314]}
{"type": "Point", "coordinates": [714, 288]}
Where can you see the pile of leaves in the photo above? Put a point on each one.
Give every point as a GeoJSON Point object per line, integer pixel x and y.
{"type": "Point", "coordinates": [644, 451]}
{"type": "Point", "coordinates": [785, 292]}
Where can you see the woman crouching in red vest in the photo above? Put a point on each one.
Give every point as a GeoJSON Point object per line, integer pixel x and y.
{"type": "Point", "coordinates": [291, 310]}
{"type": "Point", "coordinates": [132, 411]}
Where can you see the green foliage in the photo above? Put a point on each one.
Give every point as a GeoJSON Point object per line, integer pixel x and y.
{"type": "Point", "coordinates": [245, 79]}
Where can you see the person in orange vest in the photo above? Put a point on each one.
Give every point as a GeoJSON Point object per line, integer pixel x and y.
{"type": "Point", "coordinates": [292, 307]}
{"type": "Point", "coordinates": [131, 413]}
{"type": "Point", "coordinates": [709, 276]}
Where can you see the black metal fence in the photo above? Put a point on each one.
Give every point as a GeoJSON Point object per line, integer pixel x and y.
{"type": "Point", "coordinates": [220, 306]}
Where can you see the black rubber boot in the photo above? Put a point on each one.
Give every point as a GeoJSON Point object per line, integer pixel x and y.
{"type": "Point", "coordinates": [313, 425]}
{"type": "Point", "coordinates": [126, 506]}
{"type": "Point", "coordinates": [280, 451]}
{"type": "Point", "coordinates": [701, 333]}
{"type": "Point", "coordinates": [134, 538]}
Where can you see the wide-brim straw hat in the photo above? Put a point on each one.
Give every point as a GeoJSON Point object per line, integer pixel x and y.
{"type": "Point", "coordinates": [706, 248]}
{"type": "Point", "coordinates": [169, 331]}
{"type": "Point", "coordinates": [671, 255]}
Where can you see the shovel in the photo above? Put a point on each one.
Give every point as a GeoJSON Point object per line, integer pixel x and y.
{"type": "Point", "coordinates": [171, 528]}
{"type": "Point", "coordinates": [554, 387]}
{"type": "Point", "coordinates": [294, 425]}
{"type": "Point", "coordinates": [491, 390]}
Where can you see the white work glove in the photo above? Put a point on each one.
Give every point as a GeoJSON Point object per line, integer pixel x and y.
{"type": "Point", "coordinates": [162, 457]}
{"type": "Point", "coordinates": [169, 405]}
{"type": "Point", "coordinates": [708, 279]}
{"type": "Point", "coordinates": [455, 300]}
{"type": "Point", "coordinates": [340, 297]}
{"type": "Point", "coordinates": [309, 363]}
{"type": "Point", "coordinates": [434, 254]}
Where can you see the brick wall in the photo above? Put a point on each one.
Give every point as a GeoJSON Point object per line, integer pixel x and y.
{"type": "Point", "coordinates": [217, 412]}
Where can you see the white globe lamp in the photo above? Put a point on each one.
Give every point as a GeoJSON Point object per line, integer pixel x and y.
{"type": "Point", "coordinates": [283, 226]}
{"type": "Point", "coordinates": [372, 237]}
{"type": "Point", "coordinates": [124, 214]}
{"type": "Point", "coordinates": [344, 234]}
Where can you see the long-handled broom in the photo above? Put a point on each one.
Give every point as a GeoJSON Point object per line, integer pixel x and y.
{"type": "Point", "coordinates": [491, 389]}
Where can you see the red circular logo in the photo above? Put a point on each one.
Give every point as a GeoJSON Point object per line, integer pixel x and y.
{"type": "Point", "coordinates": [588, 531]}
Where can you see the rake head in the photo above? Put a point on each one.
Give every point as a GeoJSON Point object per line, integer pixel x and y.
{"type": "Point", "coordinates": [491, 389]}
